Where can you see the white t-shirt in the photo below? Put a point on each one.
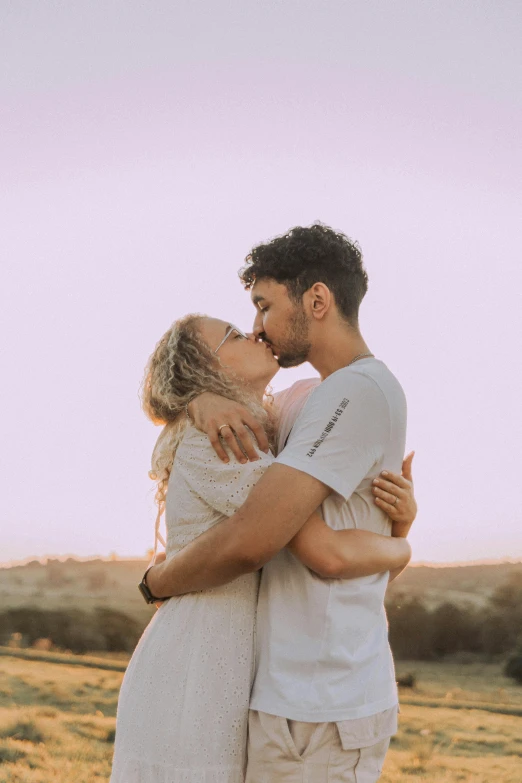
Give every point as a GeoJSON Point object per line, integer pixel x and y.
{"type": "Point", "coordinates": [322, 644]}
{"type": "Point", "coordinates": [289, 404]}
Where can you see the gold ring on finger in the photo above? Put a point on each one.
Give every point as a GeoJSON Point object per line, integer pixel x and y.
{"type": "Point", "coordinates": [223, 425]}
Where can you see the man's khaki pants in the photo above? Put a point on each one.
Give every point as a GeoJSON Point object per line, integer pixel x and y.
{"type": "Point", "coordinates": [283, 751]}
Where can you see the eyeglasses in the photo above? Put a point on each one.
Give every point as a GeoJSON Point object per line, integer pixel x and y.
{"type": "Point", "coordinates": [229, 331]}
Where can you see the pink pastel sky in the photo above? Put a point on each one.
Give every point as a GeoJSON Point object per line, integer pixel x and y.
{"type": "Point", "coordinates": [147, 146]}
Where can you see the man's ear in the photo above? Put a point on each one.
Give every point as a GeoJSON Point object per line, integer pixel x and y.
{"type": "Point", "coordinates": [319, 300]}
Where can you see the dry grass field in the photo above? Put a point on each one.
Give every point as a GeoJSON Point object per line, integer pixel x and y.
{"type": "Point", "coordinates": [460, 724]}
{"type": "Point", "coordinates": [56, 722]}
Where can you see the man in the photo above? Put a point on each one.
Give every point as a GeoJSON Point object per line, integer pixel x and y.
{"type": "Point", "coordinates": [324, 702]}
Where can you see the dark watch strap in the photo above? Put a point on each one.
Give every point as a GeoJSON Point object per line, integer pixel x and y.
{"type": "Point", "coordinates": [145, 590]}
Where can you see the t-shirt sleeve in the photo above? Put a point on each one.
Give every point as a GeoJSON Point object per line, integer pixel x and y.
{"type": "Point", "coordinates": [341, 432]}
{"type": "Point", "coordinates": [223, 486]}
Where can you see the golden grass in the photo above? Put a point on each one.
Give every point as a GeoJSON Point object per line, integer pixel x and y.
{"type": "Point", "coordinates": [39, 746]}
{"type": "Point", "coordinates": [455, 745]}
{"type": "Point", "coordinates": [70, 689]}
{"type": "Point", "coordinates": [57, 724]}
{"type": "Point", "coordinates": [110, 661]}
{"type": "Point", "coordinates": [457, 682]}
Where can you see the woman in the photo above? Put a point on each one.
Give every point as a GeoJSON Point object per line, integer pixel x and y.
{"type": "Point", "coordinates": [183, 706]}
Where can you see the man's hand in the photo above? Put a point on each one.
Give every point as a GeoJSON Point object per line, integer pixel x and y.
{"type": "Point", "coordinates": [394, 494]}
{"type": "Point", "coordinates": [210, 412]}
{"type": "Point", "coordinates": [153, 575]}
{"type": "Point", "coordinates": [159, 558]}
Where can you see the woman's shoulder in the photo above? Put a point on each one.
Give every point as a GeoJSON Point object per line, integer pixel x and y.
{"type": "Point", "coordinates": [194, 443]}
{"type": "Point", "coordinates": [196, 448]}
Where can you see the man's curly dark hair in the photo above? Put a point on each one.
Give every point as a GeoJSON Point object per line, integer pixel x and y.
{"type": "Point", "coordinates": [315, 254]}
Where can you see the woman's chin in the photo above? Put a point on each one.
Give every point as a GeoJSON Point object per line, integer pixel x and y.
{"type": "Point", "coordinates": [268, 376]}
{"type": "Point", "coordinates": [274, 372]}
{"type": "Point", "coordinates": [259, 384]}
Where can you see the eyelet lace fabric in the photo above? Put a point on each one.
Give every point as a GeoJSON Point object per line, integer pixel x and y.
{"type": "Point", "coordinates": [183, 705]}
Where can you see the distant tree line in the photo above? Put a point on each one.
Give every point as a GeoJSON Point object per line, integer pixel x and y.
{"type": "Point", "coordinates": [416, 632]}
{"type": "Point", "coordinates": [104, 629]}
{"type": "Point", "coordinates": [419, 633]}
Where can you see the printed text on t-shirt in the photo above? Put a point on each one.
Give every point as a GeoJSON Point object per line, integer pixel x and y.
{"type": "Point", "coordinates": [329, 427]}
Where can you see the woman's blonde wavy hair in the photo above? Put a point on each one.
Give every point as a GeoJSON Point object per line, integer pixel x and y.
{"type": "Point", "coordinates": [181, 367]}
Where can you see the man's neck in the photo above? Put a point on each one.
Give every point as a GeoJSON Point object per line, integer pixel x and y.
{"type": "Point", "coordinates": [336, 350]}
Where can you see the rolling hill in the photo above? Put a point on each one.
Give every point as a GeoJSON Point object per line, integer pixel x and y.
{"type": "Point", "coordinates": [113, 583]}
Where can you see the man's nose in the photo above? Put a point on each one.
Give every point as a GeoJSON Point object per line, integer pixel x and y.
{"type": "Point", "coordinates": [258, 326]}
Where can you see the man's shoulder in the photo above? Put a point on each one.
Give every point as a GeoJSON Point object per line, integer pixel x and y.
{"type": "Point", "coordinates": [381, 375]}
{"type": "Point", "coordinates": [371, 373]}
{"type": "Point", "coordinates": [347, 379]}
{"type": "Point", "coordinates": [368, 387]}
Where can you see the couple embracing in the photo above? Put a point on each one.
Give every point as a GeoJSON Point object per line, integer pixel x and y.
{"type": "Point", "coordinates": [285, 674]}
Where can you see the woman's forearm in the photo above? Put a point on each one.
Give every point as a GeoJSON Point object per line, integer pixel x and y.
{"type": "Point", "coordinates": [348, 554]}
{"type": "Point", "coordinates": [362, 553]}
{"type": "Point", "coordinates": [397, 572]}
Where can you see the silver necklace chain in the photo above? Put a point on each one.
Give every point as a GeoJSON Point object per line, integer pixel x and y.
{"type": "Point", "coordinates": [360, 356]}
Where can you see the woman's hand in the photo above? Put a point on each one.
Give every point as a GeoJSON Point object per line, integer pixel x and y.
{"type": "Point", "coordinates": [394, 494]}
{"type": "Point", "coordinates": [219, 417]}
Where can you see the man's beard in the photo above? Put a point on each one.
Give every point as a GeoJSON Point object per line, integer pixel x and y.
{"type": "Point", "coordinates": [295, 347]}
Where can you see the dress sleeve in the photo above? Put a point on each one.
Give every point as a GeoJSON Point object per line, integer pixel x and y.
{"type": "Point", "coordinates": [223, 486]}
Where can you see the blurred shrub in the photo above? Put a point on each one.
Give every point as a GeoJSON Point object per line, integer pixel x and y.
{"type": "Point", "coordinates": [15, 640]}
{"type": "Point", "coordinates": [121, 631]}
{"type": "Point", "coordinates": [410, 630]}
{"type": "Point", "coordinates": [418, 633]}
{"type": "Point", "coordinates": [407, 681]}
{"type": "Point", "coordinates": [10, 755]}
{"type": "Point", "coordinates": [72, 629]}
{"type": "Point", "coordinates": [497, 633]}
{"type": "Point", "coordinates": [43, 644]}
{"type": "Point", "coordinates": [26, 730]}
{"type": "Point", "coordinates": [513, 667]}
{"type": "Point", "coordinates": [111, 735]}
{"type": "Point", "coordinates": [56, 573]}
{"type": "Point", "coordinates": [453, 630]}
{"type": "Point", "coordinates": [97, 579]}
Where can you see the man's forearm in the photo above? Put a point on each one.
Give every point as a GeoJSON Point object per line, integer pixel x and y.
{"type": "Point", "coordinates": [275, 510]}
{"type": "Point", "coordinates": [211, 560]}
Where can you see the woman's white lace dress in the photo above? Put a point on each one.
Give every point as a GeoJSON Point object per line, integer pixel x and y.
{"type": "Point", "coordinates": [183, 705]}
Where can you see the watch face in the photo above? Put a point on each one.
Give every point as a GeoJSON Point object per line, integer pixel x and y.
{"type": "Point", "coordinates": [147, 595]}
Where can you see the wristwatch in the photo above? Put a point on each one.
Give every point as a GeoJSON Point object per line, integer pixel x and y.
{"type": "Point", "coordinates": [145, 590]}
